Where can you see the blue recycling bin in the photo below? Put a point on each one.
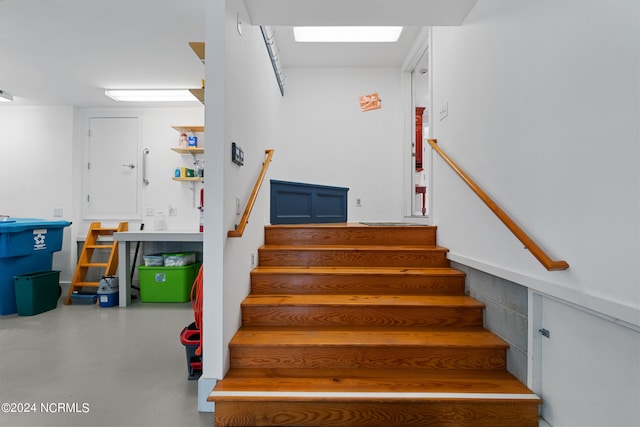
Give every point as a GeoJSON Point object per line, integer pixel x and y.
{"type": "Point", "coordinates": [26, 246]}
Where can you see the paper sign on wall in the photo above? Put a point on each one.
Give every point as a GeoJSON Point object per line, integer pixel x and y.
{"type": "Point", "coordinates": [370, 102]}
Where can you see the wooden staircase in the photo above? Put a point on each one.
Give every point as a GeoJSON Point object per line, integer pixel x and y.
{"type": "Point", "coordinates": [98, 240]}
{"type": "Point", "coordinates": [365, 325]}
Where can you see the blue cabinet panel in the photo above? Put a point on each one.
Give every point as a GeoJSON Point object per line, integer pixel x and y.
{"type": "Point", "coordinates": [299, 203]}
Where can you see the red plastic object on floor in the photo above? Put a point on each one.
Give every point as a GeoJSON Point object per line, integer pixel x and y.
{"type": "Point", "coordinates": [190, 338]}
{"type": "Point", "coordinates": [196, 304]}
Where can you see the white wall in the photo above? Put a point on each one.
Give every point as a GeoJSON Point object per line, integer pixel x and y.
{"type": "Point", "coordinates": [328, 140]}
{"type": "Point", "coordinates": [243, 106]}
{"type": "Point", "coordinates": [158, 135]}
{"type": "Point", "coordinates": [36, 167]}
{"type": "Point", "coordinates": [41, 164]}
{"type": "Point", "coordinates": [252, 111]}
{"type": "Point", "coordinates": [543, 113]}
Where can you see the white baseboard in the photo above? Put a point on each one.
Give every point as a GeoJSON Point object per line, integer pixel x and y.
{"type": "Point", "coordinates": [205, 385]}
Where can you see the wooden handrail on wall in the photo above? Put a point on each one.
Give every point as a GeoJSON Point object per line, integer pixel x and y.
{"type": "Point", "coordinates": [529, 244]}
{"type": "Point", "coordinates": [252, 199]}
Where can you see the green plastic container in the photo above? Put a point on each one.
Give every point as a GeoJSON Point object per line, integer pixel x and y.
{"type": "Point", "coordinates": [167, 284]}
{"type": "Point", "coordinates": [37, 292]}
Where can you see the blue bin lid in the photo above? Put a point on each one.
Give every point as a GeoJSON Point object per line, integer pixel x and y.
{"type": "Point", "coordinates": [16, 225]}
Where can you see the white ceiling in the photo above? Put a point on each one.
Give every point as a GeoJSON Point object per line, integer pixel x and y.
{"type": "Point", "coordinates": [358, 12]}
{"type": "Point", "coordinates": [66, 52]}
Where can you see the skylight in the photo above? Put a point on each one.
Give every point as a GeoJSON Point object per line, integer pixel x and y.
{"type": "Point", "coordinates": [347, 34]}
{"type": "Point", "coordinates": [162, 95]}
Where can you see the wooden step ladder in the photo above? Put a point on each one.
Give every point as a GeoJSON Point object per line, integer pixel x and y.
{"type": "Point", "coordinates": [96, 241]}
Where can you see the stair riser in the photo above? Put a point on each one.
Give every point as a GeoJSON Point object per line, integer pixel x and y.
{"type": "Point", "coordinates": [338, 257]}
{"type": "Point", "coordinates": [349, 357]}
{"type": "Point", "coordinates": [356, 284]}
{"type": "Point", "coordinates": [351, 236]}
{"type": "Point", "coordinates": [397, 316]}
{"type": "Point", "coordinates": [435, 413]}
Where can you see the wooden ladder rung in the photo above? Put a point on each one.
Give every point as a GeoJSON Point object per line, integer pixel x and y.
{"type": "Point", "coordinates": [87, 284]}
{"type": "Point", "coordinates": [94, 265]}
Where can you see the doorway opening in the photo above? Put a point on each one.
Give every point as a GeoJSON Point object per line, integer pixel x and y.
{"type": "Point", "coordinates": [421, 156]}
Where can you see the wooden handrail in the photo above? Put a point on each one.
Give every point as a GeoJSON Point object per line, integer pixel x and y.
{"type": "Point", "coordinates": [252, 199]}
{"type": "Point", "coordinates": [529, 244]}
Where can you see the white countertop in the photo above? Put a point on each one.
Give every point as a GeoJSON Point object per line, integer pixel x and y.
{"type": "Point", "coordinates": [159, 236]}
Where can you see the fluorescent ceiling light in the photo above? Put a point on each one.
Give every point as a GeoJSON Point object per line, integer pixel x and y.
{"type": "Point", "coordinates": [347, 34]}
{"type": "Point", "coordinates": [150, 95]}
{"type": "Point", "coordinates": [5, 97]}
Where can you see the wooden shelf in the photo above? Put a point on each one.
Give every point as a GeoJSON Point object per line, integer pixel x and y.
{"type": "Point", "coordinates": [198, 93]}
{"type": "Point", "coordinates": [194, 179]}
{"type": "Point", "coordinates": [188, 150]}
{"type": "Point", "coordinates": [198, 48]}
{"type": "Point", "coordinates": [189, 129]}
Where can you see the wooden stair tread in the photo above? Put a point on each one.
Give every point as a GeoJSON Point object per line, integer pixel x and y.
{"type": "Point", "coordinates": [361, 300]}
{"type": "Point", "coordinates": [388, 381]}
{"type": "Point", "coordinates": [345, 225]}
{"type": "Point", "coordinates": [369, 271]}
{"type": "Point", "coordinates": [105, 246]}
{"type": "Point", "coordinates": [366, 336]}
{"type": "Point", "coordinates": [351, 233]}
{"type": "Point", "coordinates": [371, 280]}
{"type": "Point", "coordinates": [353, 255]}
{"type": "Point", "coordinates": [350, 247]}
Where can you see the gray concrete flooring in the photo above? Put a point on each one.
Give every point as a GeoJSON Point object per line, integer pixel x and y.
{"type": "Point", "coordinates": [106, 366]}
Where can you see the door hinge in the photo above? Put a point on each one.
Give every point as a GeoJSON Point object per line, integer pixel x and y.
{"type": "Point", "coordinates": [544, 332]}
{"type": "Point", "coordinates": [88, 197]}
{"type": "Point", "coordinates": [89, 133]}
{"type": "Point", "coordinates": [89, 165]}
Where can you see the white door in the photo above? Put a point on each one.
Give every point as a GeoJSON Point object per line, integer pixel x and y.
{"type": "Point", "coordinates": [589, 368]}
{"type": "Point", "coordinates": [112, 168]}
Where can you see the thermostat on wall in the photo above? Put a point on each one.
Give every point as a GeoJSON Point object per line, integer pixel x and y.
{"type": "Point", "coordinates": [237, 155]}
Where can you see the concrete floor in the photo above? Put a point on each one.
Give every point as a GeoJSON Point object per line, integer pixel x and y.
{"type": "Point", "coordinates": [107, 366]}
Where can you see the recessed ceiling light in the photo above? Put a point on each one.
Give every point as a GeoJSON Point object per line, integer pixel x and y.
{"type": "Point", "coordinates": [347, 34]}
{"type": "Point", "coordinates": [5, 97]}
{"type": "Point", "coordinates": [150, 95]}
